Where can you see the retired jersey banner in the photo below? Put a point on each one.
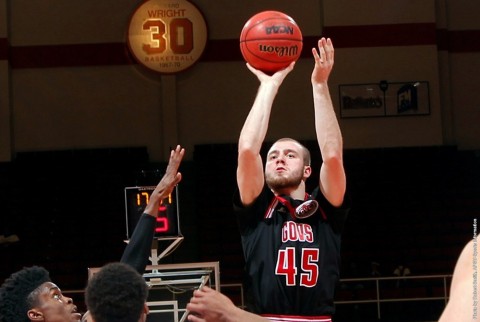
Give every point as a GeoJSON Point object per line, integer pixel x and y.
{"type": "Point", "coordinates": [167, 36]}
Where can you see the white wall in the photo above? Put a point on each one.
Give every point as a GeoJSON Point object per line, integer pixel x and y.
{"type": "Point", "coordinates": [118, 106]}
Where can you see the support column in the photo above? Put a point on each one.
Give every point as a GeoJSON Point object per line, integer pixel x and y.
{"type": "Point", "coordinates": [444, 75]}
{"type": "Point", "coordinates": [6, 126]}
{"type": "Point", "coordinates": [169, 122]}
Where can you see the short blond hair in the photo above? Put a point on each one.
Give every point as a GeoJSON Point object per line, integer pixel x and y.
{"type": "Point", "coordinates": [307, 159]}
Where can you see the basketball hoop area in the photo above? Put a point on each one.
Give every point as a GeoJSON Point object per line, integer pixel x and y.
{"type": "Point", "coordinates": [171, 286]}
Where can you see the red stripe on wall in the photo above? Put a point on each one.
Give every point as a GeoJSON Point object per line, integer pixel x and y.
{"type": "Point", "coordinates": [458, 41]}
{"type": "Point", "coordinates": [343, 37]}
{"type": "Point", "coordinates": [69, 55]}
{"type": "Point", "coordinates": [413, 34]}
{"type": "Point", "coordinates": [222, 50]}
{"type": "Point", "coordinates": [442, 39]}
{"type": "Point", "coordinates": [462, 41]}
{"type": "Point", "coordinates": [229, 50]}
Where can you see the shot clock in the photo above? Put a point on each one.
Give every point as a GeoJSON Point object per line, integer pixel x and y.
{"type": "Point", "coordinates": [136, 199]}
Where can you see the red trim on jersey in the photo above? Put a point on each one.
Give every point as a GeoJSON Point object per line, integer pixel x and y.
{"type": "Point", "coordinates": [322, 212]}
{"type": "Point", "coordinates": [297, 318]}
{"type": "Point", "coordinates": [271, 208]}
{"type": "Point", "coordinates": [286, 203]}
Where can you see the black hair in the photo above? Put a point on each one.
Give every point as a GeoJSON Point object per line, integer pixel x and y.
{"type": "Point", "coordinates": [117, 293]}
{"type": "Point", "coordinates": [15, 293]}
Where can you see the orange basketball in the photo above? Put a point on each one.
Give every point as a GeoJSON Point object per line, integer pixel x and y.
{"type": "Point", "coordinates": [270, 41]}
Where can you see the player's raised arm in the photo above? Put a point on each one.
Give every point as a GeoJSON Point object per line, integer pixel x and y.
{"type": "Point", "coordinates": [250, 177]}
{"type": "Point", "coordinates": [329, 136]}
{"type": "Point", "coordinates": [137, 252]}
{"type": "Point", "coordinates": [168, 182]}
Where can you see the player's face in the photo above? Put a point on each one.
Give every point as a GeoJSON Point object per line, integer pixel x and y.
{"type": "Point", "coordinates": [53, 306]}
{"type": "Point", "coordinates": [285, 168]}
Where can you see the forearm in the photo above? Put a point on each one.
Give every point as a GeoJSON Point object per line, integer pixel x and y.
{"type": "Point", "coordinates": [138, 249]}
{"type": "Point", "coordinates": [328, 132]}
{"type": "Point", "coordinates": [327, 129]}
{"type": "Point", "coordinates": [256, 125]}
{"type": "Point", "coordinates": [332, 174]}
{"type": "Point", "coordinates": [250, 169]}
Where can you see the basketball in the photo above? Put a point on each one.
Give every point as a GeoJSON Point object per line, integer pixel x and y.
{"type": "Point", "coordinates": [270, 41]}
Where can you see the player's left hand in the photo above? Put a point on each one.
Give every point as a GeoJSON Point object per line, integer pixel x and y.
{"type": "Point", "coordinates": [324, 59]}
{"type": "Point", "coordinates": [168, 182]}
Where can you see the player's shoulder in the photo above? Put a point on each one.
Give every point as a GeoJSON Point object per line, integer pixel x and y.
{"type": "Point", "coordinates": [464, 264]}
{"type": "Point", "coordinates": [463, 286]}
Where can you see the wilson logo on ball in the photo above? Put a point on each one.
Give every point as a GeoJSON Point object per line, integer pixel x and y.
{"type": "Point", "coordinates": [281, 51]}
{"type": "Point", "coordinates": [270, 41]}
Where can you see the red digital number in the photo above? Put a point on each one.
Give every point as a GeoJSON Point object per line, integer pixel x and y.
{"type": "Point", "coordinates": [162, 222]}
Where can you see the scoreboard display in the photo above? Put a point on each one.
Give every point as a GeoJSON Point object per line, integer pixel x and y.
{"type": "Point", "coordinates": [136, 199]}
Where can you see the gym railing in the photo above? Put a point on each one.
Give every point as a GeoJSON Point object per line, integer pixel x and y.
{"type": "Point", "coordinates": [377, 290]}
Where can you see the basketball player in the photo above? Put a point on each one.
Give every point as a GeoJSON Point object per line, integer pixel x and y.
{"type": "Point", "coordinates": [291, 238]}
{"type": "Point", "coordinates": [117, 293]}
{"type": "Point", "coordinates": [30, 295]}
{"type": "Point", "coordinates": [138, 249]}
{"type": "Point", "coordinates": [464, 291]}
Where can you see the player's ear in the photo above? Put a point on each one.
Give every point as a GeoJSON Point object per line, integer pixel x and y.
{"type": "Point", "coordinates": [307, 171]}
{"type": "Point", "coordinates": [145, 312]}
{"type": "Point", "coordinates": [35, 315]}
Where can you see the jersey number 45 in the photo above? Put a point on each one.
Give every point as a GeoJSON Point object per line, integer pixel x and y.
{"type": "Point", "coordinates": [286, 265]}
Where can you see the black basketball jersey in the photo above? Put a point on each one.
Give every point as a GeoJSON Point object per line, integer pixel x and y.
{"type": "Point", "coordinates": [292, 264]}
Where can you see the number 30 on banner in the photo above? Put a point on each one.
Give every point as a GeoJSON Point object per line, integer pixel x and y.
{"type": "Point", "coordinates": [167, 36]}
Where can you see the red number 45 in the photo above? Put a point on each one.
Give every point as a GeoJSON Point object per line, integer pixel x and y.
{"type": "Point", "coordinates": [309, 267]}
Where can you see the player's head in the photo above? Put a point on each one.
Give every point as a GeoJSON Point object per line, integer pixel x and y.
{"type": "Point", "coordinates": [117, 293]}
{"type": "Point", "coordinates": [287, 165]}
{"type": "Point", "coordinates": [29, 295]}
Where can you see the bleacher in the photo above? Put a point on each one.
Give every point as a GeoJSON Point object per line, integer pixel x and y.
{"type": "Point", "coordinates": [413, 206]}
